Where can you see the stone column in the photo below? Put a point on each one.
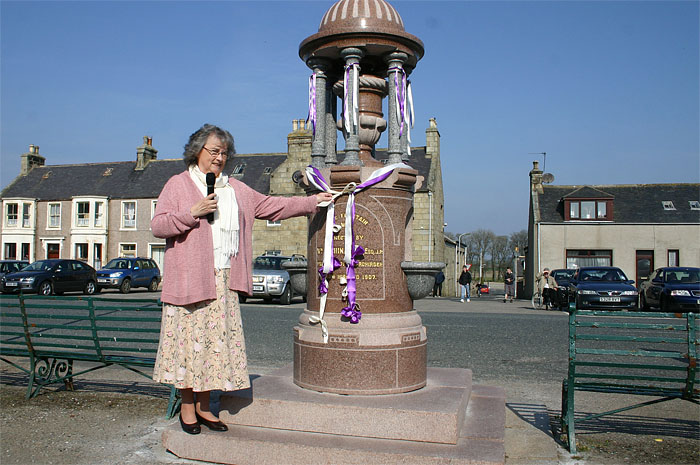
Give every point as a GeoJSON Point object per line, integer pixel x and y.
{"type": "Point", "coordinates": [331, 127]}
{"type": "Point", "coordinates": [395, 61]}
{"type": "Point", "coordinates": [352, 56]}
{"type": "Point", "coordinates": [318, 146]}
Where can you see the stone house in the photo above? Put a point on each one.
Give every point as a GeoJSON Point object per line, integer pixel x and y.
{"type": "Point", "coordinates": [637, 228]}
{"type": "Point", "coordinates": [98, 211]}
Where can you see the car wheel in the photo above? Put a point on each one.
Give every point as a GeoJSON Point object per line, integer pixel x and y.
{"type": "Point", "coordinates": [643, 302]}
{"type": "Point", "coordinates": [153, 286]}
{"type": "Point", "coordinates": [125, 287]}
{"type": "Point", "coordinates": [663, 304]}
{"type": "Point", "coordinates": [45, 288]}
{"type": "Point", "coordinates": [286, 297]}
{"type": "Point", "coordinates": [241, 298]}
{"type": "Point", "coordinates": [90, 288]}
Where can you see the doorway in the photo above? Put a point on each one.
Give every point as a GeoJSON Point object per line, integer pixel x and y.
{"type": "Point", "coordinates": [645, 265]}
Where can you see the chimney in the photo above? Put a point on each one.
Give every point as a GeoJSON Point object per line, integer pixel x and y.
{"type": "Point", "coordinates": [145, 153]}
{"type": "Point", "coordinates": [536, 177]}
{"type": "Point", "coordinates": [30, 160]}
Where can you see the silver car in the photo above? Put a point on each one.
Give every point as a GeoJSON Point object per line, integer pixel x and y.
{"type": "Point", "coordinates": [270, 280]}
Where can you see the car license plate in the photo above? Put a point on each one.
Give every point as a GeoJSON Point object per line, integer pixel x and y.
{"type": "Point", "coordinates": [102, 280]}
{"type": "Point", "coordinates": [11, 284]}
{"type": "Point", "coordinates": [257, 288]}
{"type": "Point", "coordinates": [609, 299]}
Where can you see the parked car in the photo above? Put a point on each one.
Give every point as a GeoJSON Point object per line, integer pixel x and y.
{"type": "Point", "coordinates": [270, 280]}
{"type": "Point", "coordinates": [46, 277]}
{"type": "Point", "coordinates": [128, 272]}
{"type": "Point", "coordinates": [562, 276]}
{"type": "Point", "coordinates": [10, 266]}
{"type": "Point", "coordinates": [602, 287]}
{"type": "Point", "coordinates": [672, 288]}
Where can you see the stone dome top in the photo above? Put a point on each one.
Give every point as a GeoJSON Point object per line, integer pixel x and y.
{"type": "Point", "coordinates": [361, 16]}
{"type": "Point", "coordinates": [373, 25]}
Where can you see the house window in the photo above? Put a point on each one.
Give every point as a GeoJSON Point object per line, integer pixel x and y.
{"type": "Point", "coordinates": [25, 215]}
{"type": "Point", "coordinates": [12, 213]}
{"type": "Point", "coordinates": [26, 247]}
{"type": "Point", "coordinates": [579, 258]}
{"type": "Point", "coordinates": [673, 258]}
{"type": "Point", "coordinates": [273, 223]}
{"type": "Point", "coordinates": [588, 210]}
{"type": "Point", "coordinates": [153, 208]}
{"type": "Point", "coordinates": [129, 215]}
{"type": "Point", "coordinates": [668, 205]}
{"type": "Point", "coordinates": [694, 204]}
{"type": "Point", "coordinates": [81, 251]}
{"type": "Point", "coordinates": [99, 214]}
{"type": "Point", "coordinates": [11, 251]}
{"type": "Point", "coordinates": [83, 219]}
{"type": "Point", "coordinates": [239, 168]}
{"type": "Point", "coordinates": [127, 250]}
{"type": "Point", "coordinates": [267, 170]}
{"type": "Point", "coordinates": [54, 215]}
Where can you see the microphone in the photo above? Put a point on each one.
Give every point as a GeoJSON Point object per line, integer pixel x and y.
{"type": "Point", "coordinates": [211, 180]}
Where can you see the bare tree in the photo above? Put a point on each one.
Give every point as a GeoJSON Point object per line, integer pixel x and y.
{"type": "Point", "coordinates": [479, 243]}
{"type": "Point", "coordinates": [501, 255]}
{"type": "Point", "coordinates": [518, 241]}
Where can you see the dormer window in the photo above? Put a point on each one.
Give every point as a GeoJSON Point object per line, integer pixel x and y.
{"type": "Point", "coordinates": [588, 210]}
{"type": "Point", "coordinates": [694, 204]}
{"type": "Point", "coordinates": [668, 205]}
{"type": "Point", "coordinates": [239, 168]}
{"type": "Point", "coordinates": [267, 170]}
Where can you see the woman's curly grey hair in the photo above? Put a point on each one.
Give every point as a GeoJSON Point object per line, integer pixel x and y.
{"type": "Point", "coordinates": [199, 138]}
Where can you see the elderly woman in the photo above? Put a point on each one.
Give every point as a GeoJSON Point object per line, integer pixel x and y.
{"type": "Point", "coordinates": [547, 286]}
{"type": "Point", "coordinates": [207, 263]}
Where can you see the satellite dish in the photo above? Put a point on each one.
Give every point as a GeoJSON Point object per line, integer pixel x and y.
{"type": "Point", "coordinates": [547, 178]}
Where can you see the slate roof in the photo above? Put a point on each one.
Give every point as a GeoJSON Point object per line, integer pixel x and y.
{"type": "Point", "coordinates": [62, 182]}
{"type": "Point", "coordinates": [638, 203]}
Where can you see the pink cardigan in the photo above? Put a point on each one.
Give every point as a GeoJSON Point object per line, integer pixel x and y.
{"type": "Point", "coordinates": [189, 250]}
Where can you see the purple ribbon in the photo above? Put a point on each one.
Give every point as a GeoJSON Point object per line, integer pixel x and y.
{"type": "Point", "coordinates": [322, 288]}
{"type": "Point", "coordinates": [352, 252]}
{"type": "Point", "coordinates": [312, 102]}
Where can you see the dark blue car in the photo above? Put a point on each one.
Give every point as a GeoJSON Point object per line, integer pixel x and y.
{"type": "Point", "coordinates": [672, 289]}
{"type": "Point", "coordinates": [54, 276]}
{"type": "Point", "coordinates": [602, 287]}
{"type": "Point", "coordinates": [127, 272]}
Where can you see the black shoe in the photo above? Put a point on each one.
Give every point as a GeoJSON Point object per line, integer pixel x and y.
{"type": "Point", "coordinates": [191, 428]}
{"type": "Point", "coordinates": [212, 425]}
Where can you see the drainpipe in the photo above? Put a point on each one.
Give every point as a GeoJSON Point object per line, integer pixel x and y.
{"type": "Point", "coordinates": [430, 226]}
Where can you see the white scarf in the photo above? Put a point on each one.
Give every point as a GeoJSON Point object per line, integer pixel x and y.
{"type": "Point", "coordinates": [225, 227]}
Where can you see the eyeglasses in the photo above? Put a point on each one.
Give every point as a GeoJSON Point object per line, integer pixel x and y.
{"type": "Point", "coordinates": [216, 153]}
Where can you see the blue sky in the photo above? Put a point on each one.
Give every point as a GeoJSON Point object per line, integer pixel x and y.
{"type": "Point", "coordinates": [608, 89]}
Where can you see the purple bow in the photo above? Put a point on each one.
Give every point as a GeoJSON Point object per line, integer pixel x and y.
{"type": "Point", "coordinates": [322, 288]}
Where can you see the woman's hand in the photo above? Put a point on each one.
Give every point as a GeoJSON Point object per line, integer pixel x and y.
{"type": "Point", "coordinates": [204, 207]}
{"type": "Point", "coordinates": [323, 197]}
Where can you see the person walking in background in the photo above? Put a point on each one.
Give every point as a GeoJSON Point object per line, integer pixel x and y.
{"type": "Point", "coordinates": [437, 288]}
{"type": "Point", "coordinates": [465, 280]}
{"type": "Point", "coordinates": [207, 263]}
{"type": "Point", "coordinates": [509, 281]}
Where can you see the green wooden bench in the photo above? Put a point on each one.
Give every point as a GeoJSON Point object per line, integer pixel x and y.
{"type": "Point", "coordinates": [54, 332]}
{"type": "Point", "coordinates": [638, 353]}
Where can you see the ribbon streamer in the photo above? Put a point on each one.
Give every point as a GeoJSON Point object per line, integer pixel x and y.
{"type": "Point", "coordinates": [312, 102]}
{"type": "Point", "coordinates": [352, 252]}
{"type": "Point", "coordinates": [404, 104]}
{"type": "Point", "coordinates": [351, 73]}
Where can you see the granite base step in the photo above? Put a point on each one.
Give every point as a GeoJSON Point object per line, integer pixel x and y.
{"type": "Point", "coordinates": [277, 422]}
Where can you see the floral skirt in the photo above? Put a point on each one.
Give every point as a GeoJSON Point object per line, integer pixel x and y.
{"type": "Point", "coordinates": [201, 345]}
